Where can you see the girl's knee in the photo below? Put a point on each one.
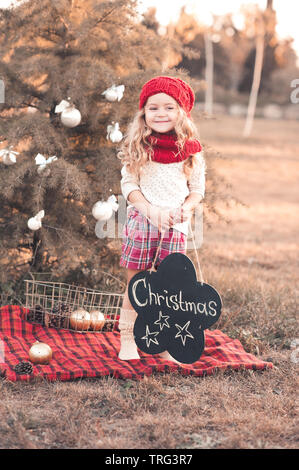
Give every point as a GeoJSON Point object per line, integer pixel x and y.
{"type": "Point", "coordinates": [131, 273]}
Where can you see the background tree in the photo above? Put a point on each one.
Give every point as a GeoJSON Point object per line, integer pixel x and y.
{"type": "Point", "coordinates": [234, 53]}
{"type": "Point", "coordinates": [192, 35]}
{"type": "Point", "coordinates": [268, 19]}
{"type": "Point", "coordinates": [150, 21]}
{"type": "Point", "coordinates": [264, 28]}
{"type": "Point", "coordinates": [287, 70]}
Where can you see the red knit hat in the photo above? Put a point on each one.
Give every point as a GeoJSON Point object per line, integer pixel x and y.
{"type": "Point", "coordinates": [174, 87]}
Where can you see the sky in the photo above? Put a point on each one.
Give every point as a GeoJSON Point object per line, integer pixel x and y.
{"type": "Point", "coordinates": [168, 10]}
{"type": "Point", "coordinates": [287, 12]}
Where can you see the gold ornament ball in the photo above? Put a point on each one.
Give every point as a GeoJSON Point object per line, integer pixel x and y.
{"type": "Point", "coordinates": [40, 353]}
{"type": "Point", "coordinates": [97, 320]}
{"type": "Point", "coordinates": [80, 319]}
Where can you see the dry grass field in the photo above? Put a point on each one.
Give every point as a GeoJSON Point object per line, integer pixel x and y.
{"type": "Point", "coordinates": [252, 261]}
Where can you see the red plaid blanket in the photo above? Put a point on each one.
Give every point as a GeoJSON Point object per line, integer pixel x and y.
{"type": "Point", "coordinates": [77, 355]}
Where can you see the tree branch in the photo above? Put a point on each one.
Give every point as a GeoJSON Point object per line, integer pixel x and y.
{"type": "Point", "coordinates": [102, 19]}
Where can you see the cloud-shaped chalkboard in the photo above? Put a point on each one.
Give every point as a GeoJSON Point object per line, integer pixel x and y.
{"type": "Point", "coordinates": [173, 309]}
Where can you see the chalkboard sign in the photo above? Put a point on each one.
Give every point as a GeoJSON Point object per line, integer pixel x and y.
{"type": "Point", "coordinates": [173, 309]}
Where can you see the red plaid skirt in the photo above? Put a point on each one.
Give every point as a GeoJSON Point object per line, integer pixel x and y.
{"type": "Point", "coordinates": [141, 240]}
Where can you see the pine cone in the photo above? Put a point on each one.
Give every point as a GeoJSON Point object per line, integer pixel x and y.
{"type": "Point", "coordinates": [36, 315]}
{"type": "Point", "coordinates": [23, 367]}
{"type": "Point", "coordinates": [108, 325]}
{"type": "Point", "coordinates": [67, 310]}
{"type": "Point", "coordinates": [59, 316]}
{"type": "Point", "coordinates": [56, 318]}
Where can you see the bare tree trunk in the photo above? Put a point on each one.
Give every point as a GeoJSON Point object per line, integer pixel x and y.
{"type": "Point", "coordinates": [258, 65]}
{"type": "Point", "coordinates": [209, 74]}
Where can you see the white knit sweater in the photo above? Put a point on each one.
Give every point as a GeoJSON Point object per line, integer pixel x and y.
{"type": "Point", "coordinates": [165, 184]}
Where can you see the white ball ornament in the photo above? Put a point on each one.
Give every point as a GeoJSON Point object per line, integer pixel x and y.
{"type": "Point", "coordinates": [116, 137]}
{"type": "Point", "coordinates": [35, 223]}
{"type": "Point", "coordinates": [103, 210]}
{"type": "Point", "coordinates": [110, 95]}
{"type": "Point", "coordinates": [71, 117]}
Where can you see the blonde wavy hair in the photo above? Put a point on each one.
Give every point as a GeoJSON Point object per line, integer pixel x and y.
{"type": "Point", "coordinates": [136, 151]}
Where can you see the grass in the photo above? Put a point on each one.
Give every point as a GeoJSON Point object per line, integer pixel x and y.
{"type": "Point", "coordinates": [229, 410]}
{"type": "Point", "coordinates": [252, 262]}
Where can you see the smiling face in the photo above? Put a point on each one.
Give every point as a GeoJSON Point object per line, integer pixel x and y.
{"type": "Point", "coordinates": [161, 112]}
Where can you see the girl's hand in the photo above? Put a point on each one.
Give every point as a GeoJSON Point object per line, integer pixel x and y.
{"type": "Point", "coordinates": [181, 214]}
{"type": "Point", "coordinates": [163, 219]}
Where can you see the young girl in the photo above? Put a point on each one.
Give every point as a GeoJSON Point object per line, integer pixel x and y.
{"type": "Point", "coordinates": [163, 180]}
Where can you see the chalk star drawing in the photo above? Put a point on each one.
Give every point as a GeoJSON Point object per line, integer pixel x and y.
{"type": "Point", "coordinates": [148, 335]}
{"type": "Point", "coordinates": [162, 321]}
{"type": "Point", "coordinates": [183, 330]}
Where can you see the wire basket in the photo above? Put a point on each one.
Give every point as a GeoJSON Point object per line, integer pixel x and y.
{"type": "Point", "coordinates": [60, 305]}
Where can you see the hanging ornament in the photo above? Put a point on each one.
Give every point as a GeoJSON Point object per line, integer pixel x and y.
{"type": "Point", "coordinates": [40, 353]}
{"type": "Point", "coordinates": [103, 210]}
{"type": "Point", "coordinates": [70, 115]}
{"type": "Point", "coordinates": [35, 223]}
{"type": "Point", "coordinates": [113, 133]}
{"type": "Point", "coordinates": [8, 156]}
{"type": "Point", "coordinates": [42, 162]}
{"type": "Point", "coordinates": [114, 93]}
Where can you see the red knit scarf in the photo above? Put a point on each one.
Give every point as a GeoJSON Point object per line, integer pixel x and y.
{"type": "Point", "coordinates": [166, 149]}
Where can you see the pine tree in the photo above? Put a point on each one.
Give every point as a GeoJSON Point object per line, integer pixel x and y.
{"type": "Point", "coordinates": [49, 52]}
